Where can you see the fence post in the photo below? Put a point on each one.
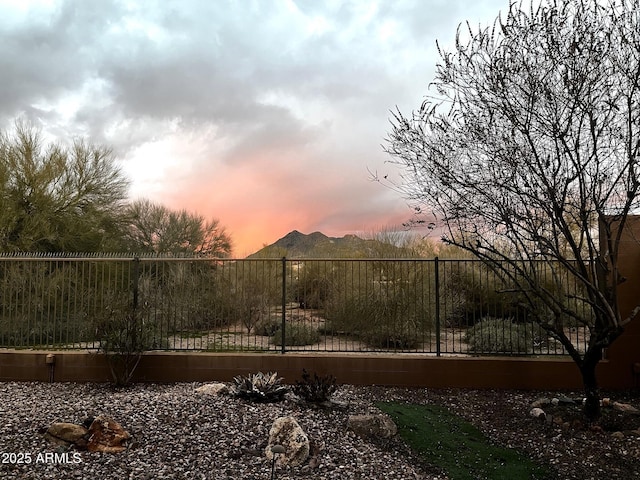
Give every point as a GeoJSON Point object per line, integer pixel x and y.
{"type": "Point", "coordinates": [136, 278]}
{"type": "Point", "coordinates": [437, 288]}
{"type": "Point", "coordinates": [284, 302]}
{"type": "Point", "coordinates": [134, 312]}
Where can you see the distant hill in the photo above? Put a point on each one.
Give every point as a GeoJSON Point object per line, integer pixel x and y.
{"type": "Point", "coordinates": [317, 245]}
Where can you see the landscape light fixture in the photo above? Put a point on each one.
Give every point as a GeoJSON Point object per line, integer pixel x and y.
{"type": "Point", "coordinates": [275, 450]}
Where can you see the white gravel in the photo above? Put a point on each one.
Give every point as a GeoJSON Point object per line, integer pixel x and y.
{"type": "Point", "coordinates": [179, 433]}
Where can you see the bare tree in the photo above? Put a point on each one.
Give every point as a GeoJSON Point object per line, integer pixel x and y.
{"type": "Point", "coordinates": [528, 156]}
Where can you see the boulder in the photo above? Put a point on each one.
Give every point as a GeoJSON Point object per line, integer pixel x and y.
{"type": "Point", "coordinates": [107, 435]}
{"type": "Point", "coordinates": [564, 400]}
{"type": "Point", "coordinates": [66, 434]}
{"type": "Point", "coordinates": [286, 432]}
{"type": "Point", "coordinates": [213, 389]}
{"type": "Point", "coordinates": [538, 413]}
{"type": "Point", "coordinates": [626, 408]}
{"type": "Point", "coordinates": [372, 426]}
{"type": "Point", "coordinates": [541, 402]}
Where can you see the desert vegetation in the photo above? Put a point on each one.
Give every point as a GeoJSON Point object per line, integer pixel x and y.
{"type": "Point", "coordinates": [266, 304]}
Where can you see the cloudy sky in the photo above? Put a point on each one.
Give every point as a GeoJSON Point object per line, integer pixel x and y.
{"type": "Point", "coordinates": [267, 115]}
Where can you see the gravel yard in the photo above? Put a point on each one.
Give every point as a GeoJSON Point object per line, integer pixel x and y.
{"type": "Point", "coordinates": [178, 433]}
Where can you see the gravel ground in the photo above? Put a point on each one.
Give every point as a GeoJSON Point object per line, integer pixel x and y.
{"type": "Point", "coordinates": [179, 433]}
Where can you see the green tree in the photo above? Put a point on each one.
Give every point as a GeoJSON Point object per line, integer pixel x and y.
{"type": "Point", "coordinates": [155, 228]}
{"type": "Point", "coordinates": [532, 141]}
{"type": "Point", "coordinates": [57, 198]}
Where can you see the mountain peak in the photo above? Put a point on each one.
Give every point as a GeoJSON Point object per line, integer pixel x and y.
{"type": "Point", "coordinates": [299, 245]}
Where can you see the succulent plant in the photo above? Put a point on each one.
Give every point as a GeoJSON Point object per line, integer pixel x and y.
{"type": "Point", "coordinates": [314, 388]}
{"type": "Point", "coordinates": [260, 387]}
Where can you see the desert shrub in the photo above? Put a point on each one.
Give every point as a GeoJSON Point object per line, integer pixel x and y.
{"type": "Point", "coordinates": [39, 330]}
{"type": "Point", "coordinates": [503, 335]}
{"type": "Point", "coordinates": [315, 389]}
{"type": "Point", "coordinates": [394, 322]}
{"type": "Point", "coordinates": [124, 334]}
{"type": "Point", "coordinates": [570, 297]}
{"type": "Point", "coordinates": [387, 303]}
{"type": "Point", "coordinates": [252, 290]}
{"type": "Point", "coordinates": [359, 315]}
{"type": "Point", "coordinates": [260, 387]}
{"type": "Point", "coordinates": [168, 289]}
{"type": "Point", "coordinates": [201, 296]}
{"type": "Point", "coordinates": [267, 327]}
{"type": "Point", "coordinates": [471, 291]}
{"type": "Point", "coordinates": [314, 284]}
{"type": "Point", "coordinates": [297, 334]}
{"type": "Point", "coordinates": [38, 307]}
{"type": "Point", "coordinates": [380, 324]}
{"type": "Point", "coordinates": [395, 317]}
{"type": "Point", "coordinates": [386, 338]}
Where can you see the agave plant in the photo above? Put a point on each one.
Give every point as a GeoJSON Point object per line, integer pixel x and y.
{"type": "Point", "coordinates": [260, 387]}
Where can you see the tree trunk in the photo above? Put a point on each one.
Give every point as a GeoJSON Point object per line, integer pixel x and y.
{"type": "Point", "coordinates": [592, 393]}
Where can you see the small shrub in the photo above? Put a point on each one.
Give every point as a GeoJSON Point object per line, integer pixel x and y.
{"type": "Point", "coordinates": [297, 335]}
{"type": "Point", "coordinates": [260, 387]}
{"type": "Point", "coordinates": [124, 334]}
{"type": "Point", "coordinates": [315, 389]}
{"type": "Point", "coordinates": [313, 293]}
{"type": "Point", "coordinates": [470, 293]}
{"type": "Point", "coordinates": [267, 327]}
{"type": "Point", "coordinates": [388, 338]}
{"type": "Point", "coordinates": [502, 335]}
{"type": "Point", "coordinates": [41, 331]}
{"type": "Point", "coordinates": [314, 285]}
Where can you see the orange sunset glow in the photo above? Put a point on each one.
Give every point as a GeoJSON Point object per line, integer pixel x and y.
{"type": "Point", "coordinates": [260, 206]}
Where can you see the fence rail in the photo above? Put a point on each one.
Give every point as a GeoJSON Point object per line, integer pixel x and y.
{"type": "Point", "coordinates": [330, 305]}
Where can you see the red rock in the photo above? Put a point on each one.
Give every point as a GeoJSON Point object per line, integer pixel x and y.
{"type": "Point", "coordinates": [107, 435]}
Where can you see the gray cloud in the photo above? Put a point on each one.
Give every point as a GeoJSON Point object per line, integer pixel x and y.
{"type": "Point", "coordinates": [304, 86]}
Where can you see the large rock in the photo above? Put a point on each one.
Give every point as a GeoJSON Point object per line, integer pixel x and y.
{"type": "Point", "coordinates": [564, 400]}
{"type": "Point", "coordinates": [626, 408]}
{"type": "Point", "coordinates": [538, 413]}
{"type": "Point", "coordinates": [107, 435]}
{"type": "Point", "coordinates": [66, 434]}
{"type": "Point", "coordinates": [541, 402]}
{"type": "Point", "coordinates": [285, 431]}
{"type": "Point", "coordinates": [372, 426]}
{"type": "Point", "coordinates": [213, 389]}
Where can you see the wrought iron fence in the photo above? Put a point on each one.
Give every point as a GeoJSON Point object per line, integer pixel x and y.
{"type": "Point", "coordinates": [326, 305]}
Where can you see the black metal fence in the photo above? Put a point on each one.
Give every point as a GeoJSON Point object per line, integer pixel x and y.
{"type": "Point", "coordinates": [338, 305]}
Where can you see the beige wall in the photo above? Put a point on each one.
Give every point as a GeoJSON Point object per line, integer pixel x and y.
{"type": "Point", "coordinates": [625, 352]}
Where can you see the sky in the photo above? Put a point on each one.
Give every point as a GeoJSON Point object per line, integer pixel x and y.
{"type": "Point", "coordinates": [267, 115]}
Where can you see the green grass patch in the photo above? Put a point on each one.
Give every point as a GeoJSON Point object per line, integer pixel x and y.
{"type": "Point", "coordinates": [458, 448]}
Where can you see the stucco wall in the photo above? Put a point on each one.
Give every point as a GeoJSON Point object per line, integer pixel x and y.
{"type": "Point", "coordinates": [399, 370]}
